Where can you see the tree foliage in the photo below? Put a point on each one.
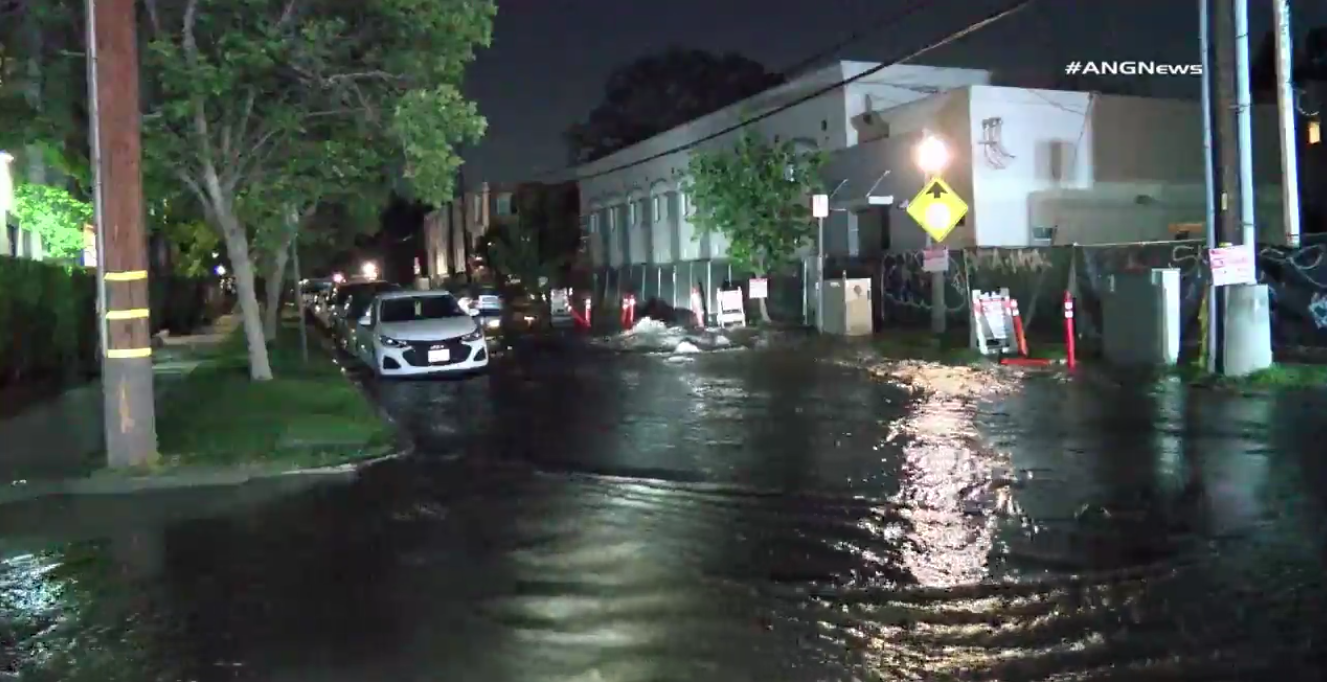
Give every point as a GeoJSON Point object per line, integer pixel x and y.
{"type": "Point", "coordinates": [660, 92]}
{"type": "Point", "coordinates": [757, 195]}
{"type": "Point", "coordinates": [55, 215]}
{"type": "Point", "coordinates": [266, 109]}
{"type": "Point", "coordinates": [518, 251]}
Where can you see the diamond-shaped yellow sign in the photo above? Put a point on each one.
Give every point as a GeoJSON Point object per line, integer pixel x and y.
{"type": "Point", "coordinates": [937, 209]}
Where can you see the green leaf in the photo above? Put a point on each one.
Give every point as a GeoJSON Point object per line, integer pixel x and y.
{"type": "Point", "coordinates": [56, 215]}
{"type": "Point", "coordinates": [756, 194]}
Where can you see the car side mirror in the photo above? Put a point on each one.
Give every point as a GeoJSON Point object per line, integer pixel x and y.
{"type": "Point", "coordinates": [365, 321]}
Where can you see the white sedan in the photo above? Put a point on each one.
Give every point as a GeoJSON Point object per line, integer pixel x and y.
{"type": "Point", "coordinates": [414, 333]}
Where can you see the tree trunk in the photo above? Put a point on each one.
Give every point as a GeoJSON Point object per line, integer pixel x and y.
{"type": "Point", "coordinates": [764, 311]}
{"type": "Point", "coordinates": [275, 285]}
{"type": "Point", "coordinates": [237, 248]}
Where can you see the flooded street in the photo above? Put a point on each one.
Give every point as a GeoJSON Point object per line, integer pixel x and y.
{"type": "Point", "coordinates": [581, 515]}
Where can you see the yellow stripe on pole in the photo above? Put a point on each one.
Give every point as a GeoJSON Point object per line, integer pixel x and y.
{"type": "Point", "coordinates": [128, 353]}
{"type": "Point", "coordinates": [128, 276]}
{"type": "Point", "coordinates": [131, 314]}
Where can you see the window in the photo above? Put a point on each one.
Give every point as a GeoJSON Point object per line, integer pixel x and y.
{"type": "Point", "coordinates": [612, 217]}
{"type": "Point", "coordinates": [656, 208]}
{"type": "Point", "coordinates": [419, 308]}
{"type": "Point", "coordinates": [594, 223]}
{"type": "Point", "coordinates": [1315, 132]}
{"type": "Point", "coordinates": [824, 124]}
{"type": "Point", "coordinates": [631, 213]}
{"type": "Point", "coordinates": [477, 207]}
{"type": "Point", "coordinates": [504, 204]}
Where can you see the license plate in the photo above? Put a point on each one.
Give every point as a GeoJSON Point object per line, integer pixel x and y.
{"type": "Point", "coordinates": [440, 355]}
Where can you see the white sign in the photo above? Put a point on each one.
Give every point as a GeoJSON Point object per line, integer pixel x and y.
{"type": "Point", "coordinates": [992, 313]}
{"type": "Point", "coordinates": [992, 319]}
{"type": "Point", "coordinates": [1232, 265]}
{"type": "Point", "coordinates": [820, 206]}
{"type": "Point", "coordinates": [935, 260]}
{"type": "Point", "coordinates": [732, 309]}
{"type": "Point", "coordinates": [758, 287]}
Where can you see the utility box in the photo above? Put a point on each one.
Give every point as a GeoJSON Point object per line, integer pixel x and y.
{"type": "Point", "coordinates": [1140, 318]}
{"type": "Point", "coordinates": [848, 307]}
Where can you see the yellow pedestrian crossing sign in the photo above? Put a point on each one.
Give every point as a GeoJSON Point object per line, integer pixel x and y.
{"type": "Point", "coordinates": [937, 209]}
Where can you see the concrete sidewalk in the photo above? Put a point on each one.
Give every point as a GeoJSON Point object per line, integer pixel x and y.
{"type": "Point", "coordinates": [60, 438]}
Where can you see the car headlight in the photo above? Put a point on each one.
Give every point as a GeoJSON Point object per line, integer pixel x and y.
{"type": "Point", "coordinates": [493, 323]}
{"type": "Point", "coordinates": [475, 335]}
{"type": "Point", "coordinates": [391, 343]}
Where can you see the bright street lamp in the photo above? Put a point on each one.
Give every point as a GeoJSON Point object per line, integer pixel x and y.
{"type": "Point", "coordinates": [221, 271]}
{"type": "Point", "coordinates": [932, 155]}
{"type": "Point", "coordinates": [338, 278]}
{"type": "Point", "coordinates": [370, 270]}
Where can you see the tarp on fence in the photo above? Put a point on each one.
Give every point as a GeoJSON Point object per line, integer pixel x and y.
{"type": "Point", "coordinates": [1037, 277]}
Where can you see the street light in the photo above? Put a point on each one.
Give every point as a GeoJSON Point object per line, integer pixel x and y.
{"type": "Point", "coordinates": [338, 278]}
{"type": "Point", "coordinates": [221, 271]}
{"type": "Point", "coordinates": [932, 155]}
{"type": "Point", "coordinates": [370, 270]}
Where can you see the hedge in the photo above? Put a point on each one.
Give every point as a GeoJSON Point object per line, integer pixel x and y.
{"type": "Point", "coordinates": [47, 320]}
{"type": "Point", "coordinates": [48, 315]}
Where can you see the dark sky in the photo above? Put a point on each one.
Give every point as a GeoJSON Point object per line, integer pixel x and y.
{"type": "Point", "coordinates": [550, 58]}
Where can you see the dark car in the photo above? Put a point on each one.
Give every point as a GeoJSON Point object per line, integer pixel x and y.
{"type": "Point", "coordinates": [349, 301]}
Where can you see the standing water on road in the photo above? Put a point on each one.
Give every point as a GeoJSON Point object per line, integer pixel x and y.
{"type": "Point", "coordinates": [583, 516]}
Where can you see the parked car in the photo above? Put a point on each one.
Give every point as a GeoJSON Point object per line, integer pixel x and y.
{"type": "Point", "coordinates": [488, 307]}
{"type": "Point", "coordinates": [312, 291]}
{"type": "Point", "coordinates": [359, 296]}
{"type": "Point", "coordinates": [414, 333]}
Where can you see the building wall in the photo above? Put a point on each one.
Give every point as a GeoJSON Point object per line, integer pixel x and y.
{"type": "Point", "coordinates": [1044, 141]}
{"type": "Point", "coordinates": [829, 121]}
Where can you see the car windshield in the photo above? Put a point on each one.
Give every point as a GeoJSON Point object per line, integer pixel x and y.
{"type": "Point", "coordinates": [419, 308]}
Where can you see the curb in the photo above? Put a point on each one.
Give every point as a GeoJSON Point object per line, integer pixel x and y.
{"type": "Point", "coordinates": [184, 479]}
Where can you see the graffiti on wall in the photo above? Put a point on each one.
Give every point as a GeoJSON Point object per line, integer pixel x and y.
{"type": "Point", "coordinates": [1038, 277]}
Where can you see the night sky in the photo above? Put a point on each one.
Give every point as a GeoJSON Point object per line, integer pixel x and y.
{"type": "Point", "coordinates": [550, 58]}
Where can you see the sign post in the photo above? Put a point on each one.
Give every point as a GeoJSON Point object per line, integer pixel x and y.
{"type": "Point", "coordinates": [938, 210]}
{"type": "Point", "coordinates": [820, 211]}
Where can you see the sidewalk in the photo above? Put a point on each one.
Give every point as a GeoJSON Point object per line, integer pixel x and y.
{"type": "Point", "coordinates": [62, 437]}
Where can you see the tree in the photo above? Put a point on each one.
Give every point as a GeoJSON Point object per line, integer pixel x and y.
{"type": "Point", "coordinates": [757, 195]}
{"type": "Point", "coordinates": [55, 215]}
{"type": "Point", "coordinates": [263, 109]}
{"type": "Point", "coordinates": [660, 92]}
{"type": "Point", "coordinates": [521, 251]}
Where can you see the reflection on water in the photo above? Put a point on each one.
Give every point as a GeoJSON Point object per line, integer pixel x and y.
{"type": "Point", "coordinates": [752, 516]}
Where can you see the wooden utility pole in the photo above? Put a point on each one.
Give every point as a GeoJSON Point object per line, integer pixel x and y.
{"type": "Point", "coordinates": [126, 377]}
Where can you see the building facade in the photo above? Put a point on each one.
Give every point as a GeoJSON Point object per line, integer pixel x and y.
{"type": "Point", "coordinates": [15, 241]}
{"type": "Point", "coordinates": [1036, 167]}
{"type": "Point", "coordinates": [452, 232]}
{"type": "Point", "coordinates": [634, 208]}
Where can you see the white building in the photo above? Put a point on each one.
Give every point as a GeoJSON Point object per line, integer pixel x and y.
{"type": "Point", "coordinates": [1037, 167]}
{"type": "Point", "coordinates": [638, 214]}
{"type": "Point", "coordinates": [14, 241]}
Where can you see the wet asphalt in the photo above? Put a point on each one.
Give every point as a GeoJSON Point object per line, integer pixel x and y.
{"type": "Point", "coordinates": [585, 515]}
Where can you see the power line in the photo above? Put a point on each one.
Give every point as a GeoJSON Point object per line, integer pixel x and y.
{"type": "Point", "coordinates": [957, 35]}
{"type": "Point", "coordinates": [789, 73]}
{"type": "Point", "coordinates": [856, 36]}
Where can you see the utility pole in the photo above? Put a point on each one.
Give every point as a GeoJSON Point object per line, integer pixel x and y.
{"type": "Point", "coordinates": [1213, 182]}
{"type": "Point", "coordinates": [1246, 345]}
{"type": "Point", "coordinates": [1285, 106]}
{"type": "Point", "coordinates": [129, 412]}
{"type": "Point", "coordinates": [299, 289]}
